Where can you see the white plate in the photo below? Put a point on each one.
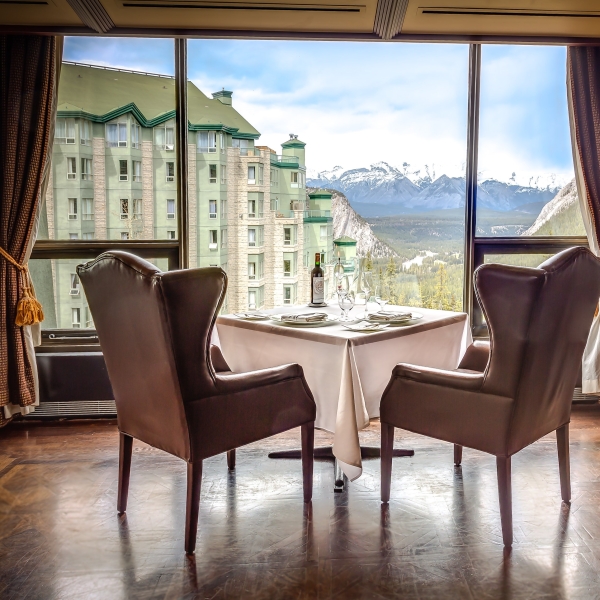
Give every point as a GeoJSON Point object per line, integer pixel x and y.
{"type": "Point", "coordinates": [365, 327]}
{"type": "Point", "coordinates": [415, 317]}
{"type": "Point", "coordinates": [328, 321]}
{"type": "Point", "coordinates": [251, 316]}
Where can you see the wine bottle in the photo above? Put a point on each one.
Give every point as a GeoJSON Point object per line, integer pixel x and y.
{"type": "Point", "coordinates": [317, 280]}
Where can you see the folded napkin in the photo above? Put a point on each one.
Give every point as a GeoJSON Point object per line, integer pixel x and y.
{"type": "Point", "coordinates": [385, 316]}
{"type": "Point", "coordinates": [305, 318]}
{"type": "Point", "coordinates": [250, 315]}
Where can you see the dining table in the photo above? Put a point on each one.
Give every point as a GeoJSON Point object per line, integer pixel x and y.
{"type": "Point", "coordinates": [347, 371]}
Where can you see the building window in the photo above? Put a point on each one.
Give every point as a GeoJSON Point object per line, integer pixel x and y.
{"type": "Point", "coordinates": [223, 209]}
{"type": "Point", "coordinates": [294, 178]}
{"type": "Point", "coordinates": [289, 294]}
{"type": "Point", "coordinates": [71, 168]}
{"type": "Point", "coordinates": [65, 131]}
{"type": "Point", "coordinates": [116, 135]}
{"type": "Point", "coordinates": [164, 137]}
{"type": "Point", "coordinates": [124, 204]}
{"type": "Point", "coordinates": [251, 299]}
{"type": "Point", "coordinates": [252, 209]}
{"type": "Point", "coordinates": [136, 135]}
{"type": "Point", "coordinates": [137, 171]}
{"type": "Point", "coordinates": [87, 236]}
{"type": "Point", "coordinates": [86, 169]}
{"type": "Point", "coordinates": [261, 172]}
{"type": "Point", "coordinates": [274, 177]}
{"type": "Point", "coordinates": [170, 209]}
{"type": "Point", "coordinates": [287, 236]}
{"type": "Point", "coordinates": [213, 242]}
{"type": "Point", "coordinates": [87, 209]}
{"type": "Point", "coordinates": [124, 235]}
{"type": "Point", "coordinates": [207, 142]}
{"type": "Point", "coordinates": [251, 270]}
{"type": "Point", "coordinates": [287, 267]}
{"type": "Point", "coordinates": [323, 232]}
{"type": "Point", "coordinates": [170, 166]}
{"type": "Point", "coordinates": [72, 209]}
{"type": "Point", "coordinates": [138, 203]}
{"type": "Point", "coordinates": [74, 285]}
{"type": "Point", "coordinates": [212, 209]}
{"type": "Point", "coordinates": [223, 238]}
{"type": "Point", "coordinates": [76, 318]}
{"type": "Point", "coordinates": [73, 236]}
{"type": "Point", "coordinates": [251, 237]}
{"type": "Point", "coordinates": [212, 173]}
{"type": "Point", "coordinates": [222, 142]}
{"type": "Point", "coordinates": [85, 132]}
{"type": "Point", "coordinates": [89, 321]}
{"type": "Point", "coordinates": [251, 175]}
{"type": "Point", "coordinates": [170, 235]}
{"type": "Point", "coordinates": [223, 174]}
{"type": "Point", "coordinates": [123, 175]}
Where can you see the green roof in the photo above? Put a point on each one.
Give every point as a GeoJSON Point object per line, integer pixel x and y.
{"type": "Point", "coordinates": [320, 194]}
{"type": "Point", "coordinates": [293, 143]}
{"type": "Point", "coordinates": [101, 94]}
{"type": "Point", "coordinates": [345, 241]}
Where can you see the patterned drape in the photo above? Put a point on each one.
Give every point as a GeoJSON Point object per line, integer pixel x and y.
{"type": "Point", "coordinates": [583, 89]}
{"type": "Point", "coordinates": [28, 88]}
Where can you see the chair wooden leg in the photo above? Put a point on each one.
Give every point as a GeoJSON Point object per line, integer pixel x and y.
{"type": "Point", "coordinates": [308, 449]}
{"type": "Point", "coordinates": [125, 449]}
{"type": "Point", "coordinates": [457, 455]}
{"type": "Point", "coordinates": [505, 496]}
{"type": "Point", "coordinates": [231, 459]}
{"type": "Point", "coordinates": [387, 448]}
{"type": "Point", "coordinates": [562, 443]}
{"type": "Point", "coordinates": [194, 479]}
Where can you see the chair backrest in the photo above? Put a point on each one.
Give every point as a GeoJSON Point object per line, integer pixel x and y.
{"type": "Point", "coordinates": [539, 321]}
{"type": "Point", "coordinates": [154, 329]}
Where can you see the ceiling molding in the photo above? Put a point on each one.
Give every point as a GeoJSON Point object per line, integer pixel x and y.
{"type": "Point", "coordinates": [92, 14]}
{"type": "Point", "coordinates": [389, 18]}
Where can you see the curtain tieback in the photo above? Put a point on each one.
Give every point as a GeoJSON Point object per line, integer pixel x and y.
{"type": "Point", "coordinates": [29, 309]}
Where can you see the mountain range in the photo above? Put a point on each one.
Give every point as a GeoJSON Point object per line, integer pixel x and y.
{"type": "Point", "coordinates": [383, 190]}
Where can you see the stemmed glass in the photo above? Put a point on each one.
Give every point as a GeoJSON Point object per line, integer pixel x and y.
{"type": "Point", "coordinates": [345, 298]}
{"type": "Point", "coordinates": [379, 297]}
{"type": "Point", "coordinates": [366, 283]}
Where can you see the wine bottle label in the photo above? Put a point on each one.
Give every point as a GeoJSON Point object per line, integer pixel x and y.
{"type": "Point", "coordinates": [318, 290]}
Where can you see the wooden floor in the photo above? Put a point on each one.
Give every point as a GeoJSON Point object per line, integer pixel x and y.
{"type": "Point", "coordinates": [60, 536]}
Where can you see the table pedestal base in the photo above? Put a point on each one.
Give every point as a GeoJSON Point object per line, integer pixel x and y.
{"type": "Point", "coordinates": [326, 452]}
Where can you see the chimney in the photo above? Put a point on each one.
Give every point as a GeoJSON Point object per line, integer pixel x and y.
{"type": "Point", "coordinates": [223, 96]}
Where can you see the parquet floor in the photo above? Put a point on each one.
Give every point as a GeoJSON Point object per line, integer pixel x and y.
{"type": "Point", "coordinates": [60, 536]}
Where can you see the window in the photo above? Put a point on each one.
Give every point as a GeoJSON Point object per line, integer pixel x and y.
{"type": "Point", "coordinates": [170, 235]}
{"type": "Point", "coordinates": [287, 268]}
{"type": "Point", "coordinates": [212, 173]}
{"type": "Point", "coordinates": [71, 168]}
{"type": "Point", "coordinates": [223, 174]}
{"type": "Point", "coordinates": [138, 204]}
{"type": "Point", "coordinates": [136, 135]}
{"type": "Point", "coordinates": [137, 171]}
{"type": "Point", "coordinates": [287, 236]}
{"type": "Point", "coordinates": [65, 131]}
{"type": "Point", "coordinates": [252, 208]}
{"type": "Point", "coordinates": [222, 142]}
{"type": "Point", "coordinates": [124, 204]}
{"type": "Point", "coordinates": [164, 136]}
{"type": "Point", "coordinates": [251, 237]}
{"type": "Point", "coordinates": [73, 236]}
{"type": "Point", "coordinates": [323, 232]}
{"type": "Point", "coordinates": [124, 235]}
{"type": "Point", "coordinates": [74, 285]}
{"type": "Point", "coordinates": [251, 270]}
{"type": "Point", "coordinates": [256, 297]}
{"type": "Point", "coordinates": [223, 238]}
{"type": "Point", "coordinates": [274, 203]}
{"type": "Point", "coordinates": [89, 321]}
{"type": "Point", "coordinates": [294, 178]}
{"type": "Point", "coordinates": [86, 169]}
{"type": "Point", "coordinates": [223, 209]}
{"type": "Point", "coordinates": [261, 171]}
{"type": "Point", "coordinates": [251, 175]}
{"type": "Point", "coordinates": [213, 242]}
{"type": "Point", "coordinates": [170, 166]}
{"type": "Point", "coordinates": [76, 318]}
{"type": "Point", "coordinates": [212, 209]}
{"type": "Point", "coordinates": [170, 209]}
{"type": "Point", "coordinates": [116, 135]}
{"type": "Point", "coordinates": [72, 209]}
{"type": "Point", "coordinates": [207, 142]}
{"type": "Point", "coordinates": [87, 236]}
{"type": "Point", "coordinates": [289, 294]}
{"type": "Point", "coordinates": [123, 176]}
{"type": "Point", "coordinates": [87, 209]}
{"type": "Point", "coordinates": [85, 132]}
{"type": "Point", "coordinates": [252, 299]}
{"type": "Point", "coordinates": [274, 177]}
{"type": "Point", "coordinates": [289, 264]}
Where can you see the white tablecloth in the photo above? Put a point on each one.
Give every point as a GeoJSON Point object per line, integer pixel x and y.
{"type": "Point", "coordinates": [347, 372]}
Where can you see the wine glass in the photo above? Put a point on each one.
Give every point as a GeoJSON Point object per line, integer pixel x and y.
{"type": "Point", "coordinates": [366, 283]}
{"type": "Point", "coordinates": [346, 297]}
{"type": "Point", "coordinates": [379, 297]}
{"type": "Point", "coordinates": [338, 273]}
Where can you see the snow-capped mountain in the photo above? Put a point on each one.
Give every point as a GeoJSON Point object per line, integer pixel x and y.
{"type": "Point", "coordinates": [385, 190]}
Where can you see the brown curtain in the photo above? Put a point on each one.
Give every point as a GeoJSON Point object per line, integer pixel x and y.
{"type": "Point", "coordinates": [583, 90]}
{"type": "Point", "coordinates": [27, 108]}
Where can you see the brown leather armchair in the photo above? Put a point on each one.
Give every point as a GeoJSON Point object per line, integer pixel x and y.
{"type": "Point", "coordinates": [510, 392]}
{"type": "Point", "coordinates": [174, 390]}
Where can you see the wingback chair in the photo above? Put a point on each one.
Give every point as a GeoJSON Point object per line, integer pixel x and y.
{"type": "Point", "coordinates": [173, 390]}
{"type": "Point", "coordinates": [510, 392]}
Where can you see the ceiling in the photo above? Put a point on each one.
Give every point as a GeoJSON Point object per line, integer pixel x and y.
{"type": "Point", "coordinates": [352, 19]}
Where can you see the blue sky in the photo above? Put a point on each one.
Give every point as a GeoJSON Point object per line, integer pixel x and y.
{"type": "Point", "coordinates": [355, 104]}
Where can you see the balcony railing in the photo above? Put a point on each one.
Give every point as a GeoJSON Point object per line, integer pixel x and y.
{"type": "Point", "coordinates": [316, 214]}
{"type": "Point", "coordinates": [284, 214]}
{"type": "Point", "coordinates": [249, 152]}
{"type": "Point", "coordinates": [279, 159]}
{"type": "Point", "coordinates": [255, 215]}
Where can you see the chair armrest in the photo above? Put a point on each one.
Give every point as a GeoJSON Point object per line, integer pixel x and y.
{"type": "Point", "coordinates": [476, 357]}
{"type": "Point", "coordinates": [230, 383]}
{"type": "Point", "coordinates": [453, 379]}
{"type": "Point", "coordinates": [218, 360]}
